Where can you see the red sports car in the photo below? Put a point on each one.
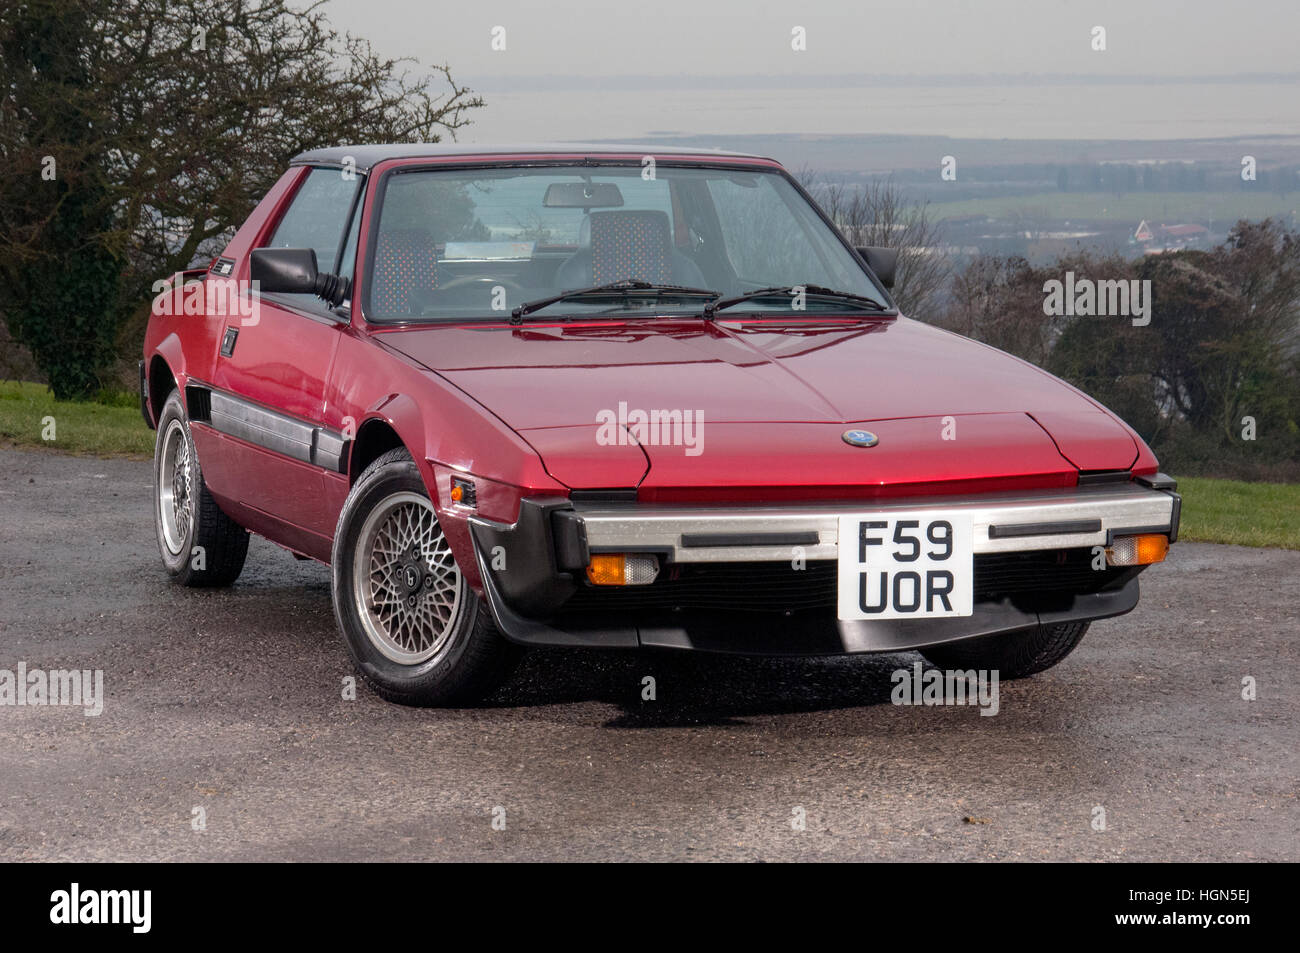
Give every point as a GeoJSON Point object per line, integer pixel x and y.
{"type": "Point", "coordinates": [620, 397]}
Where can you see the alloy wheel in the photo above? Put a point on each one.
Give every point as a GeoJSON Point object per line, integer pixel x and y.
{"type": "Point", "coordinates": [405, 581]}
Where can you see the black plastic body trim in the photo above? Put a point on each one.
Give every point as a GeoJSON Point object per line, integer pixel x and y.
{"type": "Point", "coordinates": [1161, 481]}
{"type": "Point", "coordinates": [530, 579]}
{"type": "Point", "coordinates": [1058, 528]}
{"type": "Point", "coordinates": [1167, 484]}
{"type": "Point", "coordinates": [1104, 477]}
{"type": "Point", "coordinates": [724, 540]}
{"type": "Point", "coordinates": [570, 533]}
{"type": "Point", "coordinates": [269, 429]}
{"type": "Point", "coordinates": [823, 634]}
{"type": "Point", "coordinates": [1143, 530]}
{"type": "Point", "coordinates": [198, 404]}
{"type": "Point", "coordinates": [144, 399]}
{"type": "Point", "coordinates": [623, 495]}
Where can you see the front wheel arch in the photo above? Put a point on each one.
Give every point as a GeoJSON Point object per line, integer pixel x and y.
{"type": "Point", "coordinates": [475, 657]}
{"type": "Point", "coordinates": [375, 438]}
{"type": "Point", "coordinates": [161, 382]}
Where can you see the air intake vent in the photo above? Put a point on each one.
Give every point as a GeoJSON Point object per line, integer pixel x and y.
{"type": "Point", "coordinates": [198, 403]}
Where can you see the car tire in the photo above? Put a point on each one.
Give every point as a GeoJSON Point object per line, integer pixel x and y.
{"type": "Point", "coordinates": [415, 629]}
{"type": "Point", "coordinates": [200, 545]}
{"type": "Point", "coordinates": [1014, 655]}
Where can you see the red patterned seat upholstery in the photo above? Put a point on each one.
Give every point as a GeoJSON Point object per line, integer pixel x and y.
{"type": "Point", "coordinates": [616, 246]}
{"type": "Point", "coordinates": [634, 245]}
{"type": "Point", "coordinates": [406, 261]}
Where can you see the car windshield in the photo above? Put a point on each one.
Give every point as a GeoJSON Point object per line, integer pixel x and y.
{"type": "Point", "coordinates": [478, 244]}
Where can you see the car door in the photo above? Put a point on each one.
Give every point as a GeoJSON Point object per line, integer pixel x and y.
{"type": "Point", "coordinates": [271, 374]}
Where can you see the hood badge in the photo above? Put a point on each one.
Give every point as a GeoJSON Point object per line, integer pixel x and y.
{"type": "Point", "coordinates": [860, 438]}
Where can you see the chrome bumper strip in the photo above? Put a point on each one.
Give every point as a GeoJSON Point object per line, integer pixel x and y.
{"type": "Point", "coordinates": [1047, 519]}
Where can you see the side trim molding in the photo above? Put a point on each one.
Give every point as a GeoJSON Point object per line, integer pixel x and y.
{"type": "Point", "coordinates": [274, 431]}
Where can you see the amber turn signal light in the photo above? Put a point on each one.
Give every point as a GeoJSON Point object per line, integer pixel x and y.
{"type": "Point", "coordinates": [462, 492]}
{"type": "Point", "coordinates": [1138, 550]}
{"type": "Point", "coordinates": [622, 569]}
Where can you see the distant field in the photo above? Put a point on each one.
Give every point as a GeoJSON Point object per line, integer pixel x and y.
{"type": "Point", "coordinates": [1158, 208]}
{"type": "Point", "coordinates": [1246, 514]}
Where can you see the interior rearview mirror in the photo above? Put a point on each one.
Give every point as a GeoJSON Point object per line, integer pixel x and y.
{"type": "Point", "coordinates": [882, 261]}
{"type": "Point", "coordinates": [584, 195]}
{"type": "Point", "coordinates": [294, 271]}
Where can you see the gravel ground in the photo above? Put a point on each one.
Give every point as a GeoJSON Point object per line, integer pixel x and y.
{"type": "Point", "coordinates": [229, 705]}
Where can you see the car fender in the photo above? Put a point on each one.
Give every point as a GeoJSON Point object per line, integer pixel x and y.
{"type": "Point", "coordinates": [428, 444]}
{"type": "Point", "coordinates": [173, 354]}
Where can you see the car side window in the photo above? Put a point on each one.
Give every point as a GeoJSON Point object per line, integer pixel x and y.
{"type": "Point", "coordinates": [318, 215]}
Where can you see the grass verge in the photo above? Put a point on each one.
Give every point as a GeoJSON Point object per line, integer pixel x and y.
{"type": "Point", "coordinates": [1244, 514]}
{"type": "Point", "coordinates": [29, 415]}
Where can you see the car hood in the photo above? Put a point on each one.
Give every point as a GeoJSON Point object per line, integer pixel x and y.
{"type": "Point", "coordinates": [573, 378]}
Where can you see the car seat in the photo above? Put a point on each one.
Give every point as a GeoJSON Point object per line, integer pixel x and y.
{"type": "Point", "coordinates": [627, 245]}
{"type": "Point", "coordinates": [406, 261]}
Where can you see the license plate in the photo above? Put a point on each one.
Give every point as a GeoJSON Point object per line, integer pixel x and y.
{"type": "Point", "coordinates": [906, 566]}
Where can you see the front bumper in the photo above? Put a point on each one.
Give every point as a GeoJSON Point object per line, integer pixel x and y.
{"type": "Point", "coordinates": [532, 569]}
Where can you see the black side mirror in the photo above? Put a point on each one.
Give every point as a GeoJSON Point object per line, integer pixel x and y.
{"type": "Point", "coordinates": [882, 261]}
{"type": "Point", "coordinates": [293, 271]}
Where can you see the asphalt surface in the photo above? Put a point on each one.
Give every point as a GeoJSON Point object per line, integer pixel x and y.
{"type": "Point", "coordinates": [231, 701]}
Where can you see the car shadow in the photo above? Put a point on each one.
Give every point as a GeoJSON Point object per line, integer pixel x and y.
{"type": "Point", "coordinates": [655, 689]}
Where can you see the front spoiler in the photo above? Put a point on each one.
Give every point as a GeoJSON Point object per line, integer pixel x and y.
{"type": "Point", "coordinates": [530, 568]}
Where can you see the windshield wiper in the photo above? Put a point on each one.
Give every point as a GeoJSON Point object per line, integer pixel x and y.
{"type": "Point", "coordinates": [627, 285]}
{"type": "Point", "coordinates": [812, 291]}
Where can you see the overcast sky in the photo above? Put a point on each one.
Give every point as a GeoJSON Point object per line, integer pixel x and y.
{"type": "Point", "coordinates": [633, 69]}
{"type": "Point", "coordinates": [732, 37]}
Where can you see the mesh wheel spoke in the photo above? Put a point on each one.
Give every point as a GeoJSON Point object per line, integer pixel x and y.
{"type": "Point", "coordinates": [406, 581]}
